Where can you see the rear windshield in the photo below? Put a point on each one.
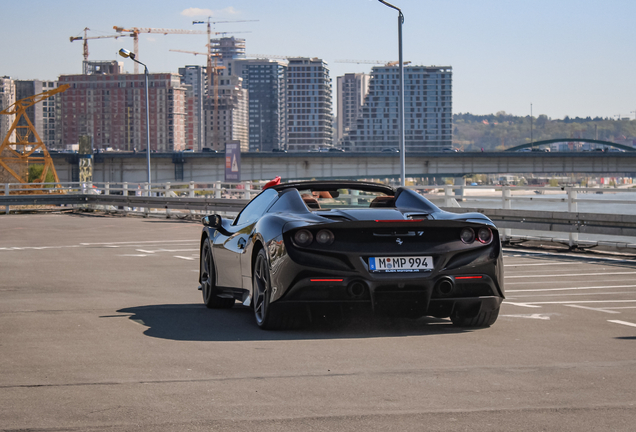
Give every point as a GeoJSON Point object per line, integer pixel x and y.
{"type": "Point", "coordinates": [345, 198]}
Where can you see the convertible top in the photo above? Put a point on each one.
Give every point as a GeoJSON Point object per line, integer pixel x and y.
{"type": "Point", "coordinates": [335, 185]}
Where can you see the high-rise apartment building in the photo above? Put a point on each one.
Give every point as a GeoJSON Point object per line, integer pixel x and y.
{"type": "Point", "coordinates": [7, 98]}
{"type": "Point", "coordinates": [194, 80]}
{"type": "Point", "coordinates": [309, 104]}
{"type": "Point", "coordinates": [228, 119]}
{"type": "Point", "coordinates": [351, 91]}
{"type": "Point", "coordinates": [428, 124]}
{"type": "Point", "coordinates": [112, 110]}
{"type": "Point", "coordinates": [264, 81]}
{"type": "Point", "coordinates": [228, 48]}
{"type": "Point", "coordinates": [43, 115]}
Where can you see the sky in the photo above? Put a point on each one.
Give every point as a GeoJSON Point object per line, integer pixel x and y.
{"type": "Point", "coordinates": [565, 57]}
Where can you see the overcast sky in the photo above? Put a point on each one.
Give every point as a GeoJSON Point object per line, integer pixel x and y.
{"type": "Point", "coordinates": [566, 57]}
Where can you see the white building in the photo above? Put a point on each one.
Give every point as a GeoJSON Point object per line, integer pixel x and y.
{"type": "Point", "coordinates": [309, 104]}
{"type": "Point", "coordinates": [7, 98]}
{"type": "Point", "coordinates": [428, 122]}
{"type": "Point", "coordinates": [352, 88]}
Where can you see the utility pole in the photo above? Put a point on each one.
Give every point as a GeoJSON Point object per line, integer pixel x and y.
{"type": "Point", "coordinates": [531, 127]}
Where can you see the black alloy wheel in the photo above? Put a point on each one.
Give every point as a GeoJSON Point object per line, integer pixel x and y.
{"type": "Point", "coordinates": [268, 317]}
{"type": "Point", "coordinates": [208, 281]}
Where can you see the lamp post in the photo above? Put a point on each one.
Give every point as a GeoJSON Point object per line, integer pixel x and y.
{"type": "Point", "coordinates": [400, 95]}
{"type": "Point", "coordinates": [127, 54]}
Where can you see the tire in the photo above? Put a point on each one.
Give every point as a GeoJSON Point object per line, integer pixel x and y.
{"type": "Point", "coordinates": [268, 317]}
{"type": "Point", "coordinates": [482, 319]}
{"type": "Point", "coordinates": [208, 281]}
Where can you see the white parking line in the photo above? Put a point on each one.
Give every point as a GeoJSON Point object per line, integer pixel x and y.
{"type": "Point", "coordinates": [543, 282]}
{"type": "Point", "coordinates": [622, 322]}
{"type": "Point", "coordinates": [531, 316]}
{"type": "Point", "coordinates": [548, 264]}
{"type": "Point", "coordinates": [185, 258]}
{"type": "Point", "coordinates": [140, 242]}
{"type": "Point", "coordinates": [594, 309]}
{"type": "Point", "coordinates": [570, 275]}
{"type": "Point", "coordinates": [568, 295]}
{"type": "Point", "coordinates": [536, 304]}
{"type": "Point", "coordinates": [166, 250]}
{"type": "Point", "coordinates": [570, 289]}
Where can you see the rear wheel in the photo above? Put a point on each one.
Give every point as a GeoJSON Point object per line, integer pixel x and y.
{"type": "Point", "coordinates": [268, 317]}
{"type": "Point", "coordinates": [208, 281]}
{"type": "Point", "coordinates": [482, 319]}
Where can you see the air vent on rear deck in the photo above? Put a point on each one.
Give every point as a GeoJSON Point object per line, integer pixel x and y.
{"type": "Point", "coordinates": [337, 218]}
{"type": "Point", "coordinates": [417, 216]}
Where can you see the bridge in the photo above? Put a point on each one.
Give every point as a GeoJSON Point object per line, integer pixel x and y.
{"type": "Point", "coordinates": [210, 167]}
{"type": "Point", "coordinates": [565, 140]}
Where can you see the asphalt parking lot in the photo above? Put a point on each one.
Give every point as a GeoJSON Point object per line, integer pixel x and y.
{"type": "Point", "coordinates": [102, 329]}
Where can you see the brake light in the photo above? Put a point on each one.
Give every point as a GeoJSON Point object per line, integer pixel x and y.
{"type": "Point", "coordinates": [468, 277]}
{"type": "Point", "coordinates": [326, 280]}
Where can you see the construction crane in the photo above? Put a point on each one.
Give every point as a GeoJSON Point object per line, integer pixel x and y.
{"type": "Point", "coordinates": [14, 157]}
{"type": "Point", "coordinates": [211, 71]}
{"type": "Point", "coordinates": [212, 74]}
{"type": "Point", "coordinates": [86, 38]}
{"type": "Point", "coordinates": [382, 62]}
{"type": "Point", "coordinates": [134, 33]}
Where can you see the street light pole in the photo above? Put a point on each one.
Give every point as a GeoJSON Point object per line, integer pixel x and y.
{"type": "Point", "coordinates": [127, 54]}
{"type": "Point", "coordinates": [400, 95]}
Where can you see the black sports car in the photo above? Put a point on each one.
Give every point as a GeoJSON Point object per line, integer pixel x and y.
{"type": "Point", "coordinates": [318, 243]}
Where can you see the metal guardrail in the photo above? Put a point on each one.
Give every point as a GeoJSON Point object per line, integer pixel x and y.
{"type": "Point", "coordinates": [229, 199]}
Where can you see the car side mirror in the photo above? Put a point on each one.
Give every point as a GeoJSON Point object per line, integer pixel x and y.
{"type": "Point", "coordinates": [212, 221]}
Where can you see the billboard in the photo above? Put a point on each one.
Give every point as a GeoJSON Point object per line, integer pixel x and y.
{"type": "Point", "coordinates": [233, 161]}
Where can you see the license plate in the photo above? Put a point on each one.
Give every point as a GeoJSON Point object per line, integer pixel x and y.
{"type": "Point", "coordinates": [410, 264]}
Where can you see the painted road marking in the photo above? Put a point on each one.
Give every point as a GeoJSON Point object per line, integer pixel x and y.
{"type": "Point", "coordinates": [521, 304]}
{"type": "Point", "coordinates": [568, 289]}
{"type": "Point", "coordinates": [622, 322]}
{"type": "Point", "coordinates": [569, 295]}
{"type": "Point", "coordinates": [166, 250]}
{"type": "Point", "coordinates": [570, 275]}
{"type": "Point", "coordinates": [185, 258]}
{"type": "Point", "coordinates": [531, 316]}
{"type": "Point", "coordinates": [594, 309]}
{"type": "Point", "coordinates": [136, 242]}
{"type": "Point", "coordinates": [547, 264]}
{"type": "Point", "coordinates": [580, 301]}
{"type": "Point", "coordinates": [543, 282]}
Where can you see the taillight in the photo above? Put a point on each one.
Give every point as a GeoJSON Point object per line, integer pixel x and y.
{"type": "Point", "coordinates": [303, 237]}
{"type": "Point", "coordinates": [324, 237]}
{"type": "Point", "coordinates": [484, 235]}
{"type": "Point", "coordinates": [467, 235]}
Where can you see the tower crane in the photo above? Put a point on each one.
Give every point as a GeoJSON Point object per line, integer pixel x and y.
{"type": "Point", "coordinates": [14, 157]}
{"type": "Point", "coordinates": [134, 33]}
{"type": "Point", "coordinates": [86, 38]}
{"type": "Point", "coordinates": [382, 62]}
{"type": "Point", "coordinates": [212, 72]}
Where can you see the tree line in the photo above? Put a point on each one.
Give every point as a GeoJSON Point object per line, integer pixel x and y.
{"type": "Point", "coordinates": [497, 132]}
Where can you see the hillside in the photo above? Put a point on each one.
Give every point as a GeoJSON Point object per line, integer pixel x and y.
{"type": "Point", "coordinates": [500, 131]}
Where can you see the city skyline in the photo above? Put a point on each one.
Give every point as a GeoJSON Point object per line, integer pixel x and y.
{"type": "Point", "coordinates": [565, 58]}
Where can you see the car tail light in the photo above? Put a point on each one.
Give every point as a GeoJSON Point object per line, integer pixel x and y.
{"type": "Point", "coordinates": [484, 235]}
{"type": "Point", "coordinates": [303, 237]}
{"type": "Point", "coordinates": [324, 237]}
{"type": "Point", "coordinates": [467, 235]}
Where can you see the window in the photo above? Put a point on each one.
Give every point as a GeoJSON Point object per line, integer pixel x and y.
{"type": "Point", "coordinates": [256, 207]}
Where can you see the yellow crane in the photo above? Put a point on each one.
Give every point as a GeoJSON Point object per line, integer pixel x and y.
{"type": "Point", "coordinates": [14, 156]}
{"type": "Point", "coordinates": [135, 31]}
{"type": "Point", "coordinates": [213, 81]}
{"type": "Point", "coordinates": [86, 38]}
